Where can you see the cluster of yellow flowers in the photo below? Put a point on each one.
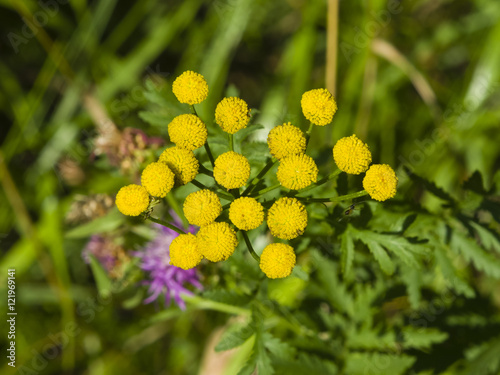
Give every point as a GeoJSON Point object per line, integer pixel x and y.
{"type": "Point", "coordinates": [287, 217]}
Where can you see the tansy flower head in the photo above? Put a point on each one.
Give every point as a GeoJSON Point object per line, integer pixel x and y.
{"type": "Point", "coordinates": [352, 155]}
{"type": "Point", "coordinates": [190, 88]}
{"type": "Point", "coordinates": [246, 213]}
{"type": "Point", "coordinates": [318, 106]}
{"type": "Point", "coordinates": [285, 140]}
{"type": "Point", "coordinates": [277, 260]}
{"type": "Point", "coordinates": [231, 170]}
{"type": "Point", "coordinates": [297, 171]}
{"type": "Point", "coordinates": [232, 114]}
{"type": "Point", "coordinates": [287, 218]}
{"type": "Point", "coordinates": [202, 207]}
{"type": "Point", "coordinates": [132, 200]}
{"type": "Point", "coordinates": [182, 162]}
{"type": "Point", "coordinates": [217, 241]}
{"type": "Point", "coordinates": [158, 179]}
{"type": "Point", "coordinates": [187, 131]}
{"type": "Point", "coordinates": [184, 252]}
{"type": "Point", "coordinates": [380, 182]}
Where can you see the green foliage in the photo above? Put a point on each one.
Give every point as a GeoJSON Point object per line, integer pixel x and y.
{"type": "Point", "coordinates": [407, 286]}
{"type": "Point", "coordinates": [365, 363]}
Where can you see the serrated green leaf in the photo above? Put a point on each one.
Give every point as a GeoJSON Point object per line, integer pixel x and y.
{"type": "Point", "coordinates": [489, 239]}
{"type": "Point", "coordinates": [402, 249]}
{"type": "Point", "coordinates": [229, 297]}
{"type": "Point", "coordinates": [377, 364]}
{"type": "Point", "coordinates": [422, 338]}
{"type": "Point", "coordinates": [449, 272]}
{"type": "Point", "coordinates": [365, 297]}
{"type": "Point", "coordinates": [335, 290]}
{"type": "Point", "coordinates": [370, 339]}
{"type": "Point", "coordinates": [483, 359]}
{"type": "Point", "coordinates": [413, 280]}
{"type": "Point", "coordinates": [397, 244]}
{"type": "Point", "coordinates": [472, 252]}
{"type": "Point", "coordinates": [259, 360]}
{"type": "Point", "coordinates": [277, 347]}
{"type": "Point", "coordinates": [347, 249]}
{"type": "Point", "coordinates": [306, 364]}
{"type": "Point", "coordinates": [155, 118]}
{"type": "Point", "coordinates": [377, 250]}
{"type": "Point", "coordinates": [430, 186]}
{"type": "Point", "coordinates": [235, 336]}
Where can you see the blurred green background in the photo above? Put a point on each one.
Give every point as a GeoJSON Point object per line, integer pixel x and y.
{"type": "Point", "coordinates": [418, 80]}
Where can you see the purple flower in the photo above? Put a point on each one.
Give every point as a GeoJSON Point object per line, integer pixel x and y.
{"type": "Point", "coordinates": [110, 255]}
{"type": "Point", "coordinates": [163, 277]}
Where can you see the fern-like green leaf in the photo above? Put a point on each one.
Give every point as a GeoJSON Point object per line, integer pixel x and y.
{"type": "Point", "coordinates": [235, 336]}
{"type": "Point", "coordinates": [472, 252]}
{"type": "Point", "coordinates": [422, 338]}
{"type": "Point", "coordinates": [450, 273]}
{"type": "Point", "coordinates": [413, 280]}
{"type": "Point", "coordinates": [483, 359]}
{"type": "Point", "coordinates": [306, 364]}
{"type": "Point", "coordinates": [347, 248]}
{"type": "Point", "coordinates": [155, 118]}
{"type": "Point", "coordinates": [377, 364]}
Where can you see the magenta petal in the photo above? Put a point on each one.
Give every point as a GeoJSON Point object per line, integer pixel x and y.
{"type": "Point", "coordinates": [162, 277]}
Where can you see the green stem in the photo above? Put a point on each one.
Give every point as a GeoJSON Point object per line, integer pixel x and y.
{"type": "Point", "coordinates": [206, 171]}
{"type": "Point", "coordinates": [308, 133]}
{"type": "Point", "coordinates": [230, 140]}
{"type": "Point", "coordinates": [268, 204]}
{"type": "Point", "coordinates": [267, 190]}
{"type": "Point", "coordinates": [207, 147]}
{"type": "Point", "coordinates": [166, 224]}
{"type": "Point", "coordinates": [341, 198]}
{"type": "Point", "coordinates": [199, 185]}
{"type": "Point", "coordinates": [220, 194]}
{"type": "Point", "coordinates": [249, 246]}
{"type": "Point", "coordinates": [205, 304]}
{"type": "Point", "coordinates": [259, 177]}
{"type": "Point", "coordinates": [324, 180]}
{"type": "Point", "coordinates": [177, 209]}
{"type": "Point", "coordinates": [209, 153]}
{"type": "Point", "coordinates": [235, 192]}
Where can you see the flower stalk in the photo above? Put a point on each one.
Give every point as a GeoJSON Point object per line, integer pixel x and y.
{"type": "Point", "coordinates": [166, 224]}
{"type": "Point", "coordinates": [324, 180]}
{"type": "Point", "coordinates": [221, 194]}
{"type": "Point", "coordinates": [267, 190]}
{"type": "Point", "coordinates": [259, 177]}
{"type": "Point", "coordinates": [308, 133]}
{"type": "Point", "coordinates": [340, 198]}
{"type": "Point", "coordinates": [249, 246]}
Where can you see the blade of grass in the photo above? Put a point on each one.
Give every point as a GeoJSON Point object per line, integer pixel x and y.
{"type": "Point", "coordinates": [332, 45]}
{"type": "Point", "coordinates": [216, 62]}
{"type": "Point", "coordinates": [387, 51]}
{"type": "Point", "coordinates": [162, 32]}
